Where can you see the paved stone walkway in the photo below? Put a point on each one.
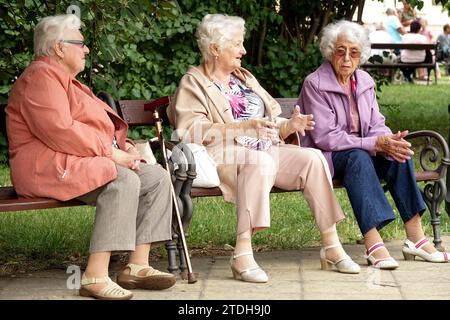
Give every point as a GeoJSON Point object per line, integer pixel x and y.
{"type": "Point", "coordinates": [294, 275]}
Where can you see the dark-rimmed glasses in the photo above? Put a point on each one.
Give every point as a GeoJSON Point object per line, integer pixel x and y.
{"type": "Point", "coordinates": [341, 52]}
{"type": "Point", "coordinates": [79, 43]}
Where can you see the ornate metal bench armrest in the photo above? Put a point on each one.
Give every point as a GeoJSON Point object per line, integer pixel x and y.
{"type": "Point", "coordinates": [434, 190]}
{"type": "Point", "coordinates": [431, 153]}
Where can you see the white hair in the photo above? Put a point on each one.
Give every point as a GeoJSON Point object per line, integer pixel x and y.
{"type": "Point", "coordinates": [51, 30]}
{"type": "Point", "coordinates": [217, 29]}
{"type": "Point", "coordinates": [351, 31]}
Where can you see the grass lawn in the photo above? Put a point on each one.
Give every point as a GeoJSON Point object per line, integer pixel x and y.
{"type": "Point", "coordinates": [416, 107]}
{"type": "Point", "coordinates": [58, 237]}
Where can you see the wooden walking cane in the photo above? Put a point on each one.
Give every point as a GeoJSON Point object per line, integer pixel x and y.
{"type": "Point", "coordinates": [158, 121]}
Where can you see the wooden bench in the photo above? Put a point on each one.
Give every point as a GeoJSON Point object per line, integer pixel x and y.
{"type": "Point", "coordinates": [433, 153]}
{"type": "Point", "coordinates": [432, 65]}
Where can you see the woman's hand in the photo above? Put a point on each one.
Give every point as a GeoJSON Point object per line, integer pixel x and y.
{"type": "Point", "coordinates": [264, 128]}
{"type": "Point", "coordinates": [395, 146]}
{"type": "Point", "coordinates": [131, 149]}
{"type": "Point", "coordinates": [301, 122]}
{"type": "Point", "coordinates": [128, 159]}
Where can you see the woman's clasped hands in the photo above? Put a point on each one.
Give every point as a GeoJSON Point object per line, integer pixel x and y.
{"type": "Point", "coordinates": [128, 159]}
{"type": "Point", "coordinates": [395, 146]}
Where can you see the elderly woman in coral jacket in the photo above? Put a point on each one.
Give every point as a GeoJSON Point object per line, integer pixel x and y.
{"type": "Point", "coordinates": [360, 148]}
{"type": "Point", "coordinates": [65, 143]}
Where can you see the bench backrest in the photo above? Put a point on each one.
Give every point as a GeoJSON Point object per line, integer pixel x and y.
{"type": "Point", "coordinates": [134, 112]}
{"type": "Point", "coordinates": [409, 46]}
{"type": "Point", "coordinates": [139, 112]}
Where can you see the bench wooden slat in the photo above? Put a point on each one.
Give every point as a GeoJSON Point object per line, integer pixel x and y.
{"type": "Point", "coordinates": [9, 201]}
{"type": "Point", "coordinates": [427, 176]}
{"type": "Point", "coordinates": [287, 105]}
{"type": "Point", "coordinates": [134, 114]}
{"type": "Point", "coordinates": [409, 46]}
{"type": "Point", "coordinates": [212, 192]}
{"type": "Point", "coordinates": [398, 65]}
{"type": "Point", "coordinates": [22, 204]}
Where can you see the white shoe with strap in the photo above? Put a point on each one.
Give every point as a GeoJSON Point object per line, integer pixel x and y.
{"type": "Point", "coordinates": [112, 291]}
{"type": "Point", "coordinates": [344, 265]}
{"type": "Point", "coordinates": [253, 274]}
{"type": "Point", "coordinates": [383, 263]}
{"type": "Point", "coordinates": [411, 250]}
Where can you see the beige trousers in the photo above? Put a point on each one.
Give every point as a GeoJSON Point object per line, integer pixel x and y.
{"type": "Point", "coordinates": [290, 168]}
{"type": "Point", "coordinates": [133, 209]}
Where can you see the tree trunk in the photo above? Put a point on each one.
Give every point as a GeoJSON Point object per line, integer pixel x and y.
{"type": "Point", "coordinates": [262, 36]}
{"type": "Point", "coordinates": [360, 10]}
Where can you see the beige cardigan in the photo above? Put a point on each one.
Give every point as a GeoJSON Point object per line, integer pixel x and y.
{"type": "Point", "coordinates": [202, 114]}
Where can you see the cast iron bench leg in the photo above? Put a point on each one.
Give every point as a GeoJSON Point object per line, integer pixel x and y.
{"type": "Point", "coordinates": [183, 266]}
{"type": "Point", "coordinates": [171, 255]}
{"type": "Point", "coordinates": [434, 194]}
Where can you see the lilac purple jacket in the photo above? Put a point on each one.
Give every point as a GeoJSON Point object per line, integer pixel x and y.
{"type": "Point", "coordinates": [323, 97]}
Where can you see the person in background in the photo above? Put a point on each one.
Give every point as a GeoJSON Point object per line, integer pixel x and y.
{"type": "Point", "coordinates": [413, 56]}
{"type": "Point", "coordinates": [380, 35]}
{"type": "Point", "coordinates": [407, 14]}
{"type": "Point", "coordinates": [393, 26]}
{"type": "Point", "coordinates": [65, 143]}
{"type": "Point", "coordinates": [360, 148]}
{"type": "Point", "coordinates": [443, 47]}
{"type": "Point", "coordinates": [427, 33]}
{"type": "Point", "coordinates": [221, 105]}
{"type": "Point", "coordinates": [424, 29]}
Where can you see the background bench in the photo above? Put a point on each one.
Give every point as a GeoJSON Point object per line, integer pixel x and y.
{"type": "Point", "coordinates": [410, 46]}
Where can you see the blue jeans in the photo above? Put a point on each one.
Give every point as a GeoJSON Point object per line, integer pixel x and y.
{"type": "Point", "coordinates": [361, 174]}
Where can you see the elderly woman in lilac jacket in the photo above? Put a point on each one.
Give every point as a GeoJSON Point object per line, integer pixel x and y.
{"type": "Point", "coordinates": [360, 148]}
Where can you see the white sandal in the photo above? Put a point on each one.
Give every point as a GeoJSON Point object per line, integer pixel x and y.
{"type": "Point", "coordinates": [254, 274]}
{"type": "Point", "coordinates": [411, 250]}
{"type": "Point", "coordinates": [343, 265]}
{"type": "Point", "coordinates": [384, 263]}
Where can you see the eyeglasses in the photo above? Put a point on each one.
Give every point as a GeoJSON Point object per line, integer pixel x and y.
{"type": "Point", "coordinates": [79, 43]}
{"type": "Point", "coordinates": [341, 52]}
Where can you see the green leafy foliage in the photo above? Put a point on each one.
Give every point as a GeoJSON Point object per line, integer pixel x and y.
{"type": "Point", "coordinates": [139, 49]}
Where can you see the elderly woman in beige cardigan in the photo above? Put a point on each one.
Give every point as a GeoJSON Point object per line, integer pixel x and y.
{"type": "Point", "coordinates": [221, 105]}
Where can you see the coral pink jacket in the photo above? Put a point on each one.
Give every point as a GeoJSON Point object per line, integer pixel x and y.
{"type": "Point", "coordinates": [60, 134]}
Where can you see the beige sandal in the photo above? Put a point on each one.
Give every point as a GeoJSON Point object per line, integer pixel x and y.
{"type": "Point", "coordinates": [152, 280]}
{"type": "Point", "coordinates": [112, 291]}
